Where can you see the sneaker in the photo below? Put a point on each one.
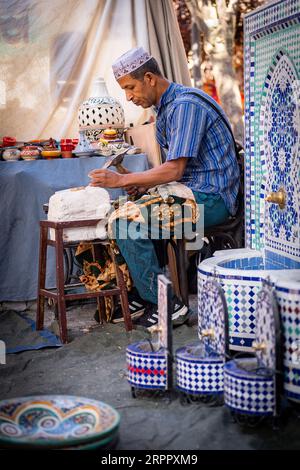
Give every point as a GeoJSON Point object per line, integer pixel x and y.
{"type": "Point", "coordinates": [136, 308]}
{"type": "Point", "coordinates": [149, 318]}
{"type": "Point", "coordinates": [180, 312]}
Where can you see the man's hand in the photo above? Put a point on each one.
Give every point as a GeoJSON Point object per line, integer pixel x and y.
{"type": "Point", "coordinates": [136, 190]}
{"type": "Point", "coordinates": [105, 179]}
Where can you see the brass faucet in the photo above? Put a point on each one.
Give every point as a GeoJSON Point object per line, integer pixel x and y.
{"type": "Point", "coordinates": [278, 197]}
{"type": "Point", "coordinates": [259, 346]}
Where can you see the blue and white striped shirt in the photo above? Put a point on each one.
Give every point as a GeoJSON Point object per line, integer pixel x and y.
{"type": "Point", "coordinates": [187, 126]}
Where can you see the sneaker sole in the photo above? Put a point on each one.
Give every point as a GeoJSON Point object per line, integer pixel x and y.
{"type": "Point", "coordinates": [183, 311]}
{"type": "Point", "coordinates": [180, 320]}
{"type": "Point", "coordinates": [133, 316]}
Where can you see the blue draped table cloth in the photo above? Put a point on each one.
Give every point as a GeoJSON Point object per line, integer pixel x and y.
{"type": "Point", "coordinates": [25, 187]}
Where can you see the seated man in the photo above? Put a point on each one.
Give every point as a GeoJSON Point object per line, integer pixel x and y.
{"type": "Point", "coordinates": [200, 153]}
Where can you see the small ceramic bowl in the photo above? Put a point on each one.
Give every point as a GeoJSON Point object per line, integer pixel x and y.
{"type": "Point", "coordinates": [49, 154]}
{"type": "Point", "coordinates": [11, 154]}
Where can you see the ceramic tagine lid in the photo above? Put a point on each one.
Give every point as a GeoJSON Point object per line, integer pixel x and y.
{"type": "Point", "coordinates": [100, 112]}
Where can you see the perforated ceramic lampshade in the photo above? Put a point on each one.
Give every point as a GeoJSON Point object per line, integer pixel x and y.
{"type": "Point", "coordinates": [100, 112]}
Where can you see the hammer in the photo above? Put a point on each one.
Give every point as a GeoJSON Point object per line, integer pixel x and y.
{"type": "Point", "coordinates": [116, 160]}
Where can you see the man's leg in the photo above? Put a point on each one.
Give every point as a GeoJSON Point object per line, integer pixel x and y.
{"type": "Point", "coordinates": [215, 211]}
{"type": "Point", "coordinates": [141, 260]}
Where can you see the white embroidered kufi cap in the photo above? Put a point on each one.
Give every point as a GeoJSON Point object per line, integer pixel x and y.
{"type": "Point", "coordinates": [130, 61]}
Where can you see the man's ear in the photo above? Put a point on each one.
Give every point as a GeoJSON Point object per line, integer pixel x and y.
{"type": "Point", "coordinates": [150, 78]}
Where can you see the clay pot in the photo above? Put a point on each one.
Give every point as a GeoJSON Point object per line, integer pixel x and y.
{"type": "Point", "coordinates": [30, 153]}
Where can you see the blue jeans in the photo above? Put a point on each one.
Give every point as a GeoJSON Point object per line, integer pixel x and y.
{"type": "Point", "coordinates": [140, 254]}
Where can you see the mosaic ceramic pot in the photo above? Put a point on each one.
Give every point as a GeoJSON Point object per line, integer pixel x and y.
{"type": "Point", "coordinates": [30, 153]}
{"type": "Point", "coordinates": [56, 421]}
{"type": "Point", "coordinates": [146, 368]}
{"type": "Point", "coordinates": [288, 297]}
{"type": "Point", "coordinates": [247, 391]}
{"type": "Point", "coordinates": [199, 366]}
{"type": "Point", "coordinates": [198, 373]}
{"type": "Point", "coordinates": [252, 385]}
{"type": "Point", "coordinates": [100, 112]}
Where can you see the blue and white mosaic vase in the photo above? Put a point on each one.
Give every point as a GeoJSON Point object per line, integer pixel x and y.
{"type": "Point", "coordinates": [199, 366]}
{"type": "Point", "coordinates": [252, 384]}
{"type": "Point", "coordinates": [146, 369]}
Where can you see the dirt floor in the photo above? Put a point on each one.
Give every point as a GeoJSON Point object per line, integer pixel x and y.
{"type": "Point", "coordinates": [93, 365]}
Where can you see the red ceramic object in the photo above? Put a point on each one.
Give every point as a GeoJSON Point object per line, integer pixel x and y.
{"type": "Point", "coordinates": [8, 141]}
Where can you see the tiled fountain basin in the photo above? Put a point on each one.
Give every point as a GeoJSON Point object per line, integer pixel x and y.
{"type": "Point", "coordinates": [240, 272]}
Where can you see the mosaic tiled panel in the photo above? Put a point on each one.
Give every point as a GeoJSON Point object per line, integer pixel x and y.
{"type": "Point", "coordinates": [267, 323]}
{"type": "Point", "coordinates": [289, 307]}
{"type": "Point", "coordinates": [272, 65]}
{"type": "Point", "coordinates": [213, 316]}
{"type": "Point", "coordinates": [240, 294]}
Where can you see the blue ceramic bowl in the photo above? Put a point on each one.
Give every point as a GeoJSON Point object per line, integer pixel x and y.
{"type": "Point", "coordinates": [56, 421]}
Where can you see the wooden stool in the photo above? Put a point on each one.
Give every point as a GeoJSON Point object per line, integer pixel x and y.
{"type": "Point", "coordinates": [60, 293]}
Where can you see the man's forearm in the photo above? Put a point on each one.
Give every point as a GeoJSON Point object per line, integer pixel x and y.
{"type": "Point", "coordinates": [162, 174]}
{"type": "Point", "coordinates": [165, 173]}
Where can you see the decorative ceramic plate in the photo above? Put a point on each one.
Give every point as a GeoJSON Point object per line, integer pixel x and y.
{"type": "Point", "coordinates": [85, 153]}
{"type": "Point", "coordinates": [55, 421]}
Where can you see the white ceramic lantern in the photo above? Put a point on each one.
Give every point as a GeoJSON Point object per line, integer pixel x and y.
{"type": "Point", "coordinates": [100, 112]}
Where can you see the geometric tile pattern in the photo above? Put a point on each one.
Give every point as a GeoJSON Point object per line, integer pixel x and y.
{"type": "Point", "coordinates": [288, 299]}
{"type": "Point", "coordinates": [246, 391]}
{"type": "Point", "coordinates": [146, 369]}
{"type": "Point", "coordinates": [240, 294]}
{"type": "Point", "coordinates": [266, 327]}
{"type": "Point", "coordinates": [279, 151]}
{"type": "Point", "coordinates": [196, 374]}
{"type": "Point", "coordinates": [272, 65]}
{"type": "Point", "coordinates": [212, 315]}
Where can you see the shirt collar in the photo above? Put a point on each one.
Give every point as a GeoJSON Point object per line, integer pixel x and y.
{"type": "Point", "coordinates": [167, 96]}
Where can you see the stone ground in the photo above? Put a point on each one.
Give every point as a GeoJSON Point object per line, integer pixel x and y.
{"type": "Point", "coordinates": [93, 365]}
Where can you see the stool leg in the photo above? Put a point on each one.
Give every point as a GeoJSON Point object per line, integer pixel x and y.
{"type": "Point", "coordinates": [100, 300]}
{"type": "Point", "coordinates": [123, 293]}
{"type": "Point", "coordinates": [101, 309]}
{"type": "Point", "coordinates": [182, 271]}
{"type": "Point", "coordinates": [40, 308]}
{"type": "Point", "coordinates": [60, 285]}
